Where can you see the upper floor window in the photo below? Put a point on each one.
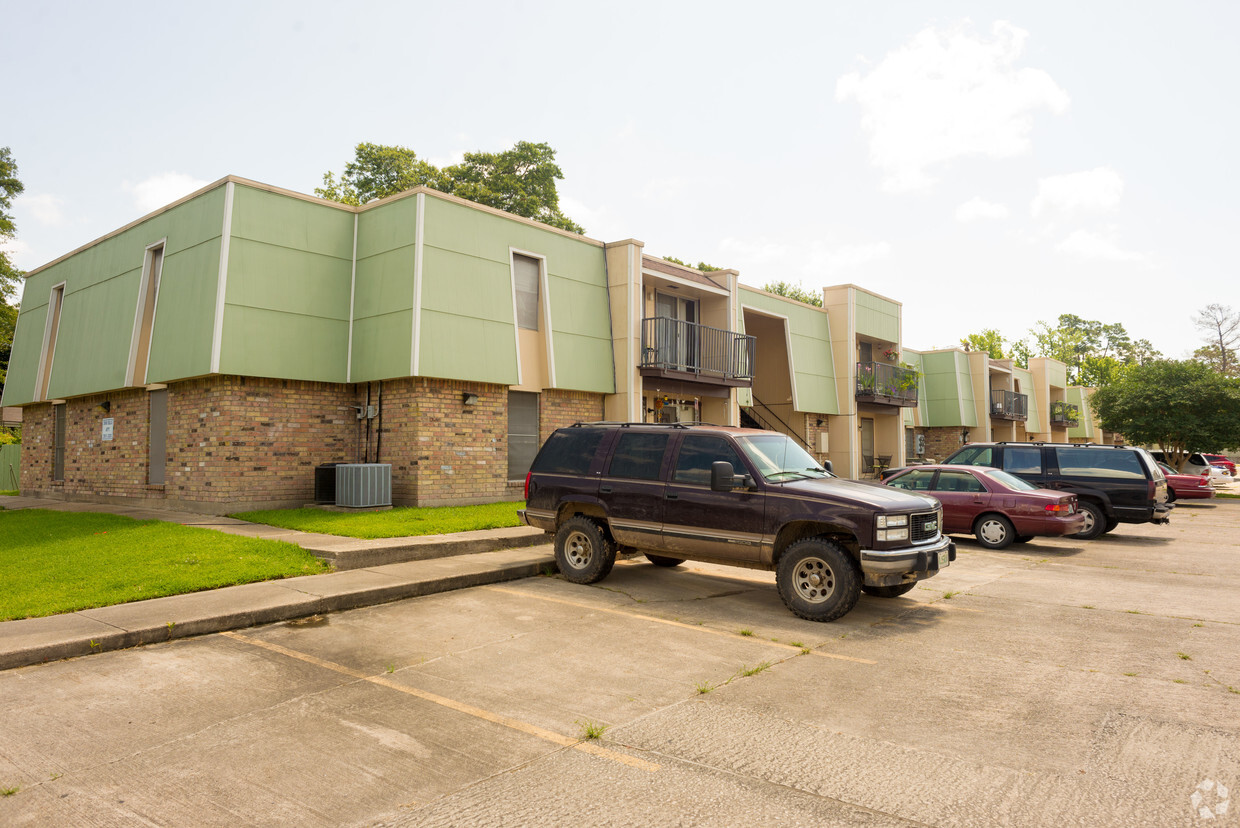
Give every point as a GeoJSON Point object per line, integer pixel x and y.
{"type": "Point", "coordinates": [50, 333]}
{"type": "Point", "coordinates": [526, 272]}
{"type": "Point", "coordinates": [144, 323]}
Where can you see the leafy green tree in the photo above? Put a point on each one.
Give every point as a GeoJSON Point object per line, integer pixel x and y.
{"type": "Point", "coordinates": [521, 180]}
{"type": "Point", "coordinates": [1093, 351]}
{"type": "Point", "coordinates": [1179, 406]}
{"type": "Point", "coordinates": [702, 266]}
{"type": "Point", "coordinates": [792, 291]}
{"type": "Point", "coordinates": [10, 276]}
{"type": "Point", "coordinates": [10, 186]}
{"type": "Point", "coordinates": [378, 171]}
{"type": "Point", "coordinates": [1222, 336]}
{"type": "Point", "coordinates": [987, 340]}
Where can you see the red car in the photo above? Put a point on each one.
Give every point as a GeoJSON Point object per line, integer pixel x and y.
{"type": "Point", "coordinates": [995, 507]}
{"type": "Point", "coordinates": [1220, 460]}
{"type": "Point", "coordinates": [1186, 485]}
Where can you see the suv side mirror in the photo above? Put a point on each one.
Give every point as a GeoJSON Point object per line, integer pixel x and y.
{"type": "Point", "coordinates": [826, 464]}
{"type": "Point", "coordinates": [723, 477]}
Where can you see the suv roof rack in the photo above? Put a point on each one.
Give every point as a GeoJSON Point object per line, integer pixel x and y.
{"type": "Point", "coordinates": [618, 424]}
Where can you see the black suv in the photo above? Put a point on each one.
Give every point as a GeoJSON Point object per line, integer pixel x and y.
{"type": "Point", "coordinates": [1113, 484]}
{"type": "Point", "coordinates": [737, 496]}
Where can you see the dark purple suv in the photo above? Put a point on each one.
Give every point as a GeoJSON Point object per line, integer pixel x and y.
{"type": "Point", "coordinates": [737, 496]}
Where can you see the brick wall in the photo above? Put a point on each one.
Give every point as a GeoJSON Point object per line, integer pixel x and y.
{"type": "Point", "coordinates": [237, 443]}
{"type": "Point", "coordinates": [940, 442]}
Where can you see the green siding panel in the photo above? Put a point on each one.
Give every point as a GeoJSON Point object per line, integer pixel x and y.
{"type": "Point", "coordinates": [878, 318]}
{"type": "Point", "coordinates": [101, 297]}
{"type": "Point", "coordinates": [184, 314]}
{"type": "Point", "coordinates": [809, 330]}
{"type": "Point", "coordinates": [587, 366]}
{"type": "Point", "coordinates": [290, 281]}
{"type": "Point", "coordinates": [294, 223]}
{"type": "Point", "coordinates": [384, 283]}
{"type": "Point", "coordinates": [266, 343]}
{"type": "Point", "coordinates": [382, 346]}
{"type": "Point", "coordinates": [466, 285]}
{"type": "Point", "coordinates": [465, 348]}
{"type": "Point", "coordinates": [387, 227]}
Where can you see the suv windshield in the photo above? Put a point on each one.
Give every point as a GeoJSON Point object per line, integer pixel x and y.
{"type": "Point", "coordinates": [778, 458]}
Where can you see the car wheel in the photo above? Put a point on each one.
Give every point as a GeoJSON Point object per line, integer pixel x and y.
{"type": "Point", "coordinates": [1022, 539]}
{"type": "Point", "coordinates": [1170, 495]}
{"type": "Point", "coordinates": [887, 591]}
{"type": "Point", "coordinates": [994, 531]}
{"type": "Point", "coordinates": [583, 553]}
{"type": "Point", "coordinates": [818, 580]}
{"type": "Point", "coordinates": [660, 560]}
{"type": "Point", "coordinates": [1095, 522]}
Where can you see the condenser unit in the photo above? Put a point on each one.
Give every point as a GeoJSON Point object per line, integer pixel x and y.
{"type": "Point", "coordinates": [362, 485]}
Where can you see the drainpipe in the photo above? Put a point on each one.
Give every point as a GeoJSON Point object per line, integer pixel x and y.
{"type": "Point", "coordinates": [379, 428]}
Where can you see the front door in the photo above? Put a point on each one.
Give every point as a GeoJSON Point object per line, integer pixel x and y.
{"type": "Point", "coordinates": [700, 522]}
{"type": "Point", "coordinates": [679, 334]}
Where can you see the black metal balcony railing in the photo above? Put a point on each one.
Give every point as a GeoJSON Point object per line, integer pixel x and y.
{"type": "Point", "coordinates": [1065, 414]}
{"type": "Point", "coordinates": [1008, 405]}
{"type": "Point", "coordinates": [890, 384]}
{"type": "Point", "coordinates": [684, 347]}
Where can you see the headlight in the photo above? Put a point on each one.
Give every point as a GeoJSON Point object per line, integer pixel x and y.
{"type": "Point", "coordinates": [886, 521]}
{"type": "Point", "coordinates": [892, 534]}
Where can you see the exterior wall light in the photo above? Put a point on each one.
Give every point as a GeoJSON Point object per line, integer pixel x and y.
{"type": "Point", "coordinates": [106, 405]}
{"type": "Point", "coordinates": [469, 399]}
{"type": "Point", "coordinates": [964, 435]}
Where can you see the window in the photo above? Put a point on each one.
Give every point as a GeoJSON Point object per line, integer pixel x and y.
{"type": "Point", "coordinates": [144, 323]}
{"type": "Point", "coordinates": [58, 441]}
{"type": "Point", "coordinates": [157, 451]}
{"type": "Point", "coordinates": [638, 456]}
{"type": "Point", "coordinates": [973, 456]}
{"type": "Point", "coordinates": [49, 338]}
{"type": "Point", "coordinates": [1022, 459]}
{"type": "Point", "coordinates": [569, 451]}
{"type": "Point", "coordinates": [950, 481]}
{"type": "Point", "coordinates": [917, 480]}
{"type": "Point", "coordinates": [698, 452]}
{"type": "Point", "coordinates": [522, 432]}
{"type": "Point", "coordinates": [525, 274]}
{"type": "Point", "coordinates": [1099, 462]}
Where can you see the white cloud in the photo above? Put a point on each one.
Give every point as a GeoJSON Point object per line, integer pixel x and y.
{"type": "Point", "coordinates": [44, 208]}
{"type": "Point", "coordinates": [979, 208]}
{"type": "Point", "coordinates": [1094, 190]}
{"type": "Point", "coordinates": [945, 94]}
{"type": "Point", "coordinates": [160, 190]}
{"type": "Point", "coordinates": [1085, 244]}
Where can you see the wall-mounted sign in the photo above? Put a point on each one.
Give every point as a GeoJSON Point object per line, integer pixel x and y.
{"type": "Point", "coordinates": [107, 428]}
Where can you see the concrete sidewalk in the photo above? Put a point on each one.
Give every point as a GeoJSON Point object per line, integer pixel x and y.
{"type": "Point", "coordinates": [368, 572]}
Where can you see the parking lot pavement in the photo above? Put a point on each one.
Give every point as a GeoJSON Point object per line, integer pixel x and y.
{"type": "Point", "coordinates": [1057, 682]}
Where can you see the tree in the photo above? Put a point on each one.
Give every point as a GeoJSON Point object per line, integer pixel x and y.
{"type": "Point", "coordinates": [792, 291]}
{"type": "Point", "coordinates": [521, 180]}
{"type": "Point", "coordinates": [1222, 327]}
{"type": "Point", "coordinates": [1093, 351]}
{"type": "Point", "coordinates": [10, 276]}
{"type": "Point", "coordinates": [1180, 406]}
{"type": "Point", "coordinates": [987, 340]}
{"type": "Point", "coordinates": [702, 266]}
{"type": "Point", "coordinates": [10, 186]}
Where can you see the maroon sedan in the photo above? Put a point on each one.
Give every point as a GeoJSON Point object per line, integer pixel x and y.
{"type": "Point", "coordinates": [1186, 485]}
{"type": "Point", "coordinates": [995, 507]}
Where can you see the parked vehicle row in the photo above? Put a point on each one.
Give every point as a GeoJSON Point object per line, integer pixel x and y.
{"type": "Point", "coordinates": [1186, 485]}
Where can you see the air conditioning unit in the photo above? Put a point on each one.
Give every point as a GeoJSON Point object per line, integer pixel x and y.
{"type": "Point", "coordinates": [363, 485]}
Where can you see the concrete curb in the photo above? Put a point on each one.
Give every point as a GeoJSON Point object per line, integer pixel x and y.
{"type": "Point", "coordinates": [37, 640]}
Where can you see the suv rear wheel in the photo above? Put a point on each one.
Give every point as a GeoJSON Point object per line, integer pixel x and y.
{"type": "Point", "coordinates": [1095, 521]}
{"type": "Point", "coordinates": [818, 580]}
{"type": "Point", "coordinates": [583, 553]}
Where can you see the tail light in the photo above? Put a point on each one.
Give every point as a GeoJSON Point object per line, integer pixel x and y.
{"type": "Point", "coordinates": [1065, 507]}
{"type": "Point", "coordinates": [526, 494]}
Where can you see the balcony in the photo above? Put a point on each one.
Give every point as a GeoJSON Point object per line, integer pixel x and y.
{"type": "Point", "coordinates": [1008, 405]}
{"type": "Point", "coordinates": [1065, 414]}
{"type": "Point", "coordinates": [885, 384]}
{"type": "Point", "coordinates": [682, 350]}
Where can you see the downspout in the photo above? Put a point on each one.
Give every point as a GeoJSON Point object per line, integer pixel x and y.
{"type": "Point", "coordinates": [379, 429]}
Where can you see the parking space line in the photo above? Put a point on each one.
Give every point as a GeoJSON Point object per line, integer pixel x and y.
{"type": "Point", "coordinates": [670, 623]}
{"type": "Point", "coordinates": [452, 704]}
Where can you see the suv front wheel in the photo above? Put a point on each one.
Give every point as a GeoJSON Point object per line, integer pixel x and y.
{"type": "Point", "coordinates": [583, 553]}
{"type": "Point", "coordinates": [818, 580]}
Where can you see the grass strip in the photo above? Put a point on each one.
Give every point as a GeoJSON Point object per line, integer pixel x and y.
{"type": "Point", "coordinates": [56, 562]}
{"type": "Point", "coordinates": [401, 522]}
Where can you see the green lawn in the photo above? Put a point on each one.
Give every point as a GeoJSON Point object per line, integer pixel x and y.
{"type": "Point", "coordinates": [9, 493]}
{"type": "Point", "coordinates": [401, 522]}
{"type": "Point", "coordinates": [55, 562]}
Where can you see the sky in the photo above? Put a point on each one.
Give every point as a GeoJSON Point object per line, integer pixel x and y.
{"type": "Point", "coordinates": [988, 164]}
